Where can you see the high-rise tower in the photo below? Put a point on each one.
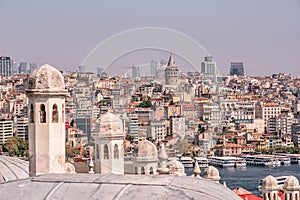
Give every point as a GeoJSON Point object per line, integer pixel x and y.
{"type": "Point", "coordinates": [171, 72]}
{"type": "Point", "coordinates": [46, 93]}
{"type": "Point", "coordinates": [5, 66]}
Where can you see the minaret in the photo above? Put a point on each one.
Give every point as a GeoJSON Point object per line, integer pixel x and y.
{"type": "Point", "coordinates": [46, 93]}
{"type": "Point", "coordinates": [269, 188]}
{"type": "Point", "coordinates": [291, 188]}
{"type": "Point", "coordinates": [109, 149]}
{"type": "Point", "coordinates": [171, 72]}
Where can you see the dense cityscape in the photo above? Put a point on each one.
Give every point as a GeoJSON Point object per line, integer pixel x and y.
{"type": "Point", "coordinates": [199, 110]}
{"type": "Point", "coordinates": [150, 100]}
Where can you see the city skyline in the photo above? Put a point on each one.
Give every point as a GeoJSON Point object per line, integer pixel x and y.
{"type": "Point", "coordinates": [263, 35]}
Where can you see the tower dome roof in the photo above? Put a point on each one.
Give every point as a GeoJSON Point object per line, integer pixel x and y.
{"type": "Point", "coordinates": [212, 173]}
{"type": "Point", "coordinates": [291, 183]}
{"type": "Point", "coordinates": [269, 183]}
{"type": "Point", "coordinates": [110, 124]}
{"type": "Point", "coordinates": [147, 149]}
{"type": "Point", "coordinates": [46, 78]}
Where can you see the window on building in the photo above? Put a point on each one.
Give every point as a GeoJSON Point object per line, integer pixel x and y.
{"type": "Point", "coordinates": [106, 156]}
{"type": "Point", "coordinates": [116, 152]}
{"type": "Point", "coordinates": [42, 113]}
{"type": "Point", "coordinates": [31, 114]}
{"type": "Point", "coordinates": [54, 114]}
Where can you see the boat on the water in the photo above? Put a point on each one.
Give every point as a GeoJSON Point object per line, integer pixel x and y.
{"type": "Point", "coordinates": [202, 162]}
{"type": "Point", "coordinates": [227, 161]}
{"type": "Point", "coordinates": [262, 160]}
{"type": "Point", "coordinates": [187, 162]}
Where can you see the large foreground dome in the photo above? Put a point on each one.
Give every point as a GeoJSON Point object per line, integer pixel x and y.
{"type": "Point", "coordinates": [108, 186]}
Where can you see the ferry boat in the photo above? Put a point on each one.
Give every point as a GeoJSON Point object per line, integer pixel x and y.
{"type": "Point", "coordinates": [280, 182]}
{"type": "Point", "coordinates": [240, 162]}
{"type": "Point", "coordinates": [202, 162]}
{"type": "Point", "coordinates": [187, 162]}
{"type": "Point", "coordinates": [284, 160]}
{"type": "Point", "coordinates": [295, 158]}
{"type": "Point", "coordinates": [262, 160]}
{"type": "Point", "coordinates": [222, 161]}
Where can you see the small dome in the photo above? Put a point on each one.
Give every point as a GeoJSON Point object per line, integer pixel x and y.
{"type": "Point", "coordinates": [176, 168]}
{"type": "Point", "coordinates": [269, 183]}
{"type": "Point", "coordinates": [110, 124]}
{"type": "Point", "coordinates": [147, 149]}
{"type": "Point", "coordinates": [46, 77]}
{"type": "Point", "coordinates": [291, 183]}
{"type": "Point", "coordinates": [212, 173]}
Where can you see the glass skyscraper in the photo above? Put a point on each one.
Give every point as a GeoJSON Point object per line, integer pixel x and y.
{"type": "Point", "coordinates": [5, 66]}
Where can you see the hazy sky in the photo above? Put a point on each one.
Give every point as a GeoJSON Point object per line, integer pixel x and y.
{"type": "Point", "coordinates": [265, 34]}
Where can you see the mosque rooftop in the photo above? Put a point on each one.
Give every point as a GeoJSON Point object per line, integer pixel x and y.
{"type": "Point", "coordinates": [13, 169]}
{"type": "Point", "coordinates": [111, 186]}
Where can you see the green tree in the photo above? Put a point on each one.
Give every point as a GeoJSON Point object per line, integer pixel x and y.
{"type": "Point", "coordinates": [16, 147]}
{"type": "Point", "coordinates": [146, 103]}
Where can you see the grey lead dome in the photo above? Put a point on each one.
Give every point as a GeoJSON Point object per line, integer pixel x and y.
{"type": "Point", "coordinates": [109, 186]}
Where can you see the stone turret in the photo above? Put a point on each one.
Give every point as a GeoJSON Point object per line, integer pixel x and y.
{"type": "Point", "coordinates": [270, 188]}
{"type": "Point", "coordinates": [46, 94]}
{"type": "Point", "coordinates": [109, 150]}
{"type": "Point", "coordinates": [291, 188]}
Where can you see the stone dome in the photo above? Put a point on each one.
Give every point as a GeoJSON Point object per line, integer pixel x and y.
{"type": "Point", "coordinates": [176, 168]}
{"type": "Point", "coordinates": [46, 78]}
{"type": "Point", "coordinates": [13, 169]}
{"type": "Point", "coordinates": [269, 183]}
{"type": "Point", "coordinates": [147, 149]}
{"type": "Point", "coordinates": [291, 183]}
{"type": "Point", "coordinates": [110, 124]}
{"type": "Point", "coordinates": [212, 173]}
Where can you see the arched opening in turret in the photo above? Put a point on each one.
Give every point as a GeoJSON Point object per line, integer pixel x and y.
{"type": "Point", "coordinates": [31, 114]}
{"type": "Point", "coordinates": [296, 197]}
{"type": "Point", "coordinates": [151, 170]}
{"type": "Point", "coordinates": [116, 152]}
{"type": "Point", "coordinates": [42, 113]}
{"type": "Point", "coordinates": [63, 113]}
{"type": "Point", "coordinates": [291, 196]}
{"type": "Point", "coordinates": [106, 156]}
{"type": "Point", "coordinates": [97, 151]}
{"type": "Point", "coordinates": [54, 114]}
{"type": "Point", "coordinates": [142, 170]}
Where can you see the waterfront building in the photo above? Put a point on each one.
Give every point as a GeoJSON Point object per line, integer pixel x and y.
{"type": "Point", "coordinates": [237, 68]}
{"type": "Point", "coordinates": [280, 125]}
{"type": "Point", "coordinates": [6, 65]}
